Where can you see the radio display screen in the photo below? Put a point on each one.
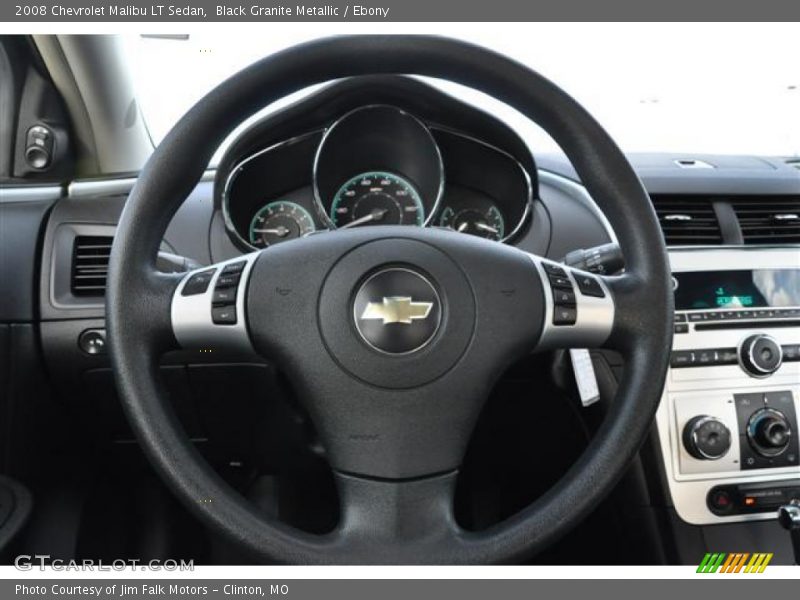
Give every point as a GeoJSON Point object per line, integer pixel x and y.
{"type": "Point", "coordinates": [762, 288]}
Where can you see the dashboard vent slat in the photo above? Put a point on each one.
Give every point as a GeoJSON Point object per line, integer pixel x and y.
{"type": "Point", "coordinates": [768, 219]}
{"type": "Point", "coordinates": [90, 256]}
{"type": "Point", "coordinates": [687, 220]}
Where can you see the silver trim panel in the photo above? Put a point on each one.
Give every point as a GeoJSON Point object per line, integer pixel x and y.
{"type": "Point", "coordinates": [594, 316]}
{"type": "Point", "coordinates": [113, 186]}
{"type": "Point", "coordinates": [191, 315]}
{"type": "Point", "coordinates": [29, 193]}
{"type": "Point", "coordinates": [709, 390]}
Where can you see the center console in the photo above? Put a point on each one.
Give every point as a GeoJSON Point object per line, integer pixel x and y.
{"type": "Point", "coordinates": [728, 419]}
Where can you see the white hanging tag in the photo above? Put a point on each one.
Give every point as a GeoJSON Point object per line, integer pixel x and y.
{"type": "Point", "coordinates": [584, 376]}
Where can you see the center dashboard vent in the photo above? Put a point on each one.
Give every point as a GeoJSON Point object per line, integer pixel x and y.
{"type": "Point", "coordinates": [687, 220]}
{"type": "Point", "coordinates": [90, 256]}
{"type": "Point", "coordinates": [768, 219]}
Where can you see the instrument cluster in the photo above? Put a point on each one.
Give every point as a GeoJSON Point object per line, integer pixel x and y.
{"type": "Point", "coordinates": [375, 165]}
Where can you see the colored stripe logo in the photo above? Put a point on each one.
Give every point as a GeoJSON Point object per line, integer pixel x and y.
{"type": "Point", "coordinates": [735, 562]}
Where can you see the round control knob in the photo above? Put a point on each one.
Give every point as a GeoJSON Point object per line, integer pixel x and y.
{"type": "Point", "coordinates": [706, 438]}
{"type": "Point", "coordinates": [760, 355]}
{"type": "Point", "coordinates": [769, 432]}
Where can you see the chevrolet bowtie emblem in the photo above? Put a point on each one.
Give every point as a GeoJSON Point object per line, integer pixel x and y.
{"type": "Point", "coordinates": [397, 309]}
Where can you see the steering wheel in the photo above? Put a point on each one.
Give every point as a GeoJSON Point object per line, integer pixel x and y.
{"type": "Point", "coordinates": [391, 336]}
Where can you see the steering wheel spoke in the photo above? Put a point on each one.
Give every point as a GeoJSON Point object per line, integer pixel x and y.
{"type": "Point", "coordinates": [391, 520]}
{"type": "Point", "coordinates": [579, 307]}
{"type": "Point", "coordinates": [208, 307]}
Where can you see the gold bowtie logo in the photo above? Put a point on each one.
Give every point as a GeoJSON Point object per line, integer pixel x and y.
{"type": "Point", "coordinates": [397, 309]}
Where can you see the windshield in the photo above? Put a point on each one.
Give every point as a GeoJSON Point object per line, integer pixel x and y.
{"type": "Point", "coordinates": [679, 88]}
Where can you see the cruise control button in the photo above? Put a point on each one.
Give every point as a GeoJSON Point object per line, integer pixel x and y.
{"type": "Point", "coordinates": [228, 280]}
{"type": "Point", "coordinates": [557, 281]}
{"type": "Point", "coordinates": [564, 297]}
{"type": "Point", "coordinates": [554, 270]}
{"type": "Point", "coordinates": [680, 318]}
{"type": "Point", "coordinates": [564, 315]}
{"type": "Point", "coordinates": [681, 328]}
{"type": "Point", "coordinates": [198, 283]}
{"type": "Point", "coordinates": [224, 315]}
{"type": "Point", "coordinates": [236, 267]}
{"type": "Point", "coordinates": [223, 296]}
{"type": "Point", "coordinates": [589, 286]}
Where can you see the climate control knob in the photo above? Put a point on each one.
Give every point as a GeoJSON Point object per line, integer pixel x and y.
{"type": "Point", "coordinates": [769, 432]}
{"type": "Point", "coordinates": [760, 355]}
{"type": "Point", "coordinates": [706, 438]}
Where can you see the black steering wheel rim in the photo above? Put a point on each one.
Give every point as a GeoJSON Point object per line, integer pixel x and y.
{"type": "Point", "coordinates": [138, 310]}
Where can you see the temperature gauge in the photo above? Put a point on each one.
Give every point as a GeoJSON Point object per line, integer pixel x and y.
{"type": "Point", "coordinates": [487, 223]}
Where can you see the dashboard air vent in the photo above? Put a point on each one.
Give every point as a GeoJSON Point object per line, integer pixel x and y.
{"type": "Point", "coordinates": [768, 219]}
{"type": "Point", "coordinates": [90, 265]}
{"type": "Point", "coordinates": [687, 220]}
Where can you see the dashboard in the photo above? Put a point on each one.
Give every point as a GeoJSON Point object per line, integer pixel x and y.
{"type": "Point", "coordinates": [394, 150]}
{"type": "Point", "coordinates": [375, 165]}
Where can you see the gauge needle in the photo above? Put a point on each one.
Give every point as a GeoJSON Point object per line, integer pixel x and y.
{"type": "Point", "coordinates": [375, 215]}
{"type": "Point", "coordinates": [279, 231]}
{"type": "Point", "coordinates": [485, 227]}
{"type": "Point", "coordinates": [463, 227]}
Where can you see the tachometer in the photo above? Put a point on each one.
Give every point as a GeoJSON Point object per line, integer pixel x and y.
{"type": "Point", "coordinates": [278, 222]}
{"type": "Point", "coordinates": [377, 198]}
{"type": "Point", "coordinates": [487, 223]}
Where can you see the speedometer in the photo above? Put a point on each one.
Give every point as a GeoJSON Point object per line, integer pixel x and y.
{"type": "Point", "coordinates": [377, 198]}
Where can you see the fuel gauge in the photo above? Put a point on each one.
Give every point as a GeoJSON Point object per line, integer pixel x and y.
{"type": "Point", "coordinates": [487, 223]}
